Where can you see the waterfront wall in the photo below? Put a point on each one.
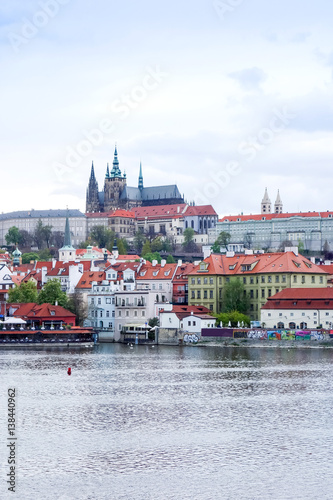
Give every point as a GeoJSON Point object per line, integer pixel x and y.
{"type": "Point", "coordinates": [265, 334]}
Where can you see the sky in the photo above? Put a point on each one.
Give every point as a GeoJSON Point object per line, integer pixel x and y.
{"type": "Point", "coordinates": [222, 97]}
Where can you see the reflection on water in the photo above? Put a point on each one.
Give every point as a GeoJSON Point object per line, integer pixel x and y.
{"type": "Point", "coordinates": [171, 423]}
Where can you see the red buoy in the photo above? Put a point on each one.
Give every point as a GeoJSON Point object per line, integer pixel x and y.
{"type": "Point", "coordinates": [69, 371]}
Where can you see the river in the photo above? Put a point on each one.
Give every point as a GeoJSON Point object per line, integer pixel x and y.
{"type": "Point", "coordinates": [196, 422]}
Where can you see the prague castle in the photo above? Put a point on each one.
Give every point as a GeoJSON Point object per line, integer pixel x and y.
{"type": "Point", "coordinates": [116, 193]}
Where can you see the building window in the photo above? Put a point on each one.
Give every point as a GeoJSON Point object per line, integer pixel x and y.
{"type": "Point", "coordinates": [263, 293]}
{"type": "Point", "coordinates": [199, 281]}
{"type": "Point", "coordinates": [194, 323]}
{"type": "Point", "coordinates": [227, 280]}
{"type": "Point", "coordinates": [210, 307]}
{"type": "Point", "coordinates": [205, 294]}
{"type": "Point", "coordinates": [211, 281]}
{"type": "Point", "coordinates": [269, 292]}
{"type": "Point", "coordinates": [295, 279]}
{"type": "Point", "coordinates": [303, 279]}
{"type": "Point", "coordinates": [251, 294]}
{"type": "Point", "coordinates": [99, 300]}
{"type": "Point", "coordinates": [320, 279]}
{"type": "Point", "coordinates": [269, 279]}
{"type": "Point", "coordinates": [211, 294]}
{"type": "Point", "coordinates": [108, 301]}
{"type": "Point", "coordinates": [205, 281]}
{"type": "Point", "coordinates": [107, 314]}
{"type": "Point", "coordinates": [313, 279]}
{"type": "Point", "coordinates": [119, 313]}
{"type": "Point", "coordinates": [244, 280]}
{"type": "Point", "coordinates": [284, 278]}
{"type": "Point", "coordinates": [193, 281]}
{"type": "Point", "coordinates": [262, 279]}
{"type": "Point", "coordinates": [192, 294]}
{"type": "Point", "coordinates": [251, 281]}
{"type": "Point", "coordinates": [277, 278]}
{"type": "Point", "coordinates": [198, 294]}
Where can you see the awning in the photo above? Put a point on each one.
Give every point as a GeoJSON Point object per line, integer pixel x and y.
{"type": "Point", "coordinates": [14, 321]}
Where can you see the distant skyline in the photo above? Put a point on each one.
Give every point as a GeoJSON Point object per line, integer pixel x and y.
{"type": "Point", "coordinates": [223, 98]}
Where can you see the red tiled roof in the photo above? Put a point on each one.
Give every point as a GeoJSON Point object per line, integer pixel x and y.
{"type": "Point", "coordinates": [160, 211]}
{"type": "Point", "coordinates": [327, 267]}
{"type": "Point", "coordinates": [32, 310]}
{"type": "Point", "coordinates": [156, 272]}
{"type": "Point", "coordinates": [301, 298]}
{"type": "Point", "coordinates": [200, 210]}
{"type": "Point", "coordinates": [183, 311]}
{"type": "Point", "coordinates": [241, 264]}
{"type": "Point", "coordinates": [233, 218]}
{"type": "Point", "coordinates": [128, 257]}
{"type": "Point", "coordinates": [98, 215]}
{"type": "Point", "coordinates": [88, 277]}
{"type": "Point", "coordinates": [123, 213]}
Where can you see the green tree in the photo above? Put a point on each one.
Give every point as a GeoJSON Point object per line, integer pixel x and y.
{"type": "Point", "coordinates": [223, 240]}
{"type": "Point", "coordinates": [122, 246]}
{"type": "Point", "coordinates": [167, 245]}
{"type": "Point", "coordinates": [153, 322]}
{"type": "Point", "coordinates": [157, 244]}
{"type": "Point", "coordinates": [170, 259]}
{"type": "Point", "coordinates": [42, 234]}
{"type": "Point", "coordinates": [146, 249]}
{"type": "Point", "coordinates": [102, 237]}
{"type": "Point", "coordinates": [26, 238]}
{"type": "Point", "coordinates": [234, 317]}
{"type": "Point", "coordinates": [235, 297]}
{"type": "Point", "coordinates": [300, 247]}
{"type": "Point", "coordinates": [189, 245]}
{"type": "Point", "coordinates": [13, 236]}
{"type": "Point", "coordinates": [152, 256]}
{"type": "Point", "coordinates": [28, 257]}
{"type": "Point", "coordinates": [138, 241]}
{"type": "Point", "coordinates": [26, 292]}
{"type": "Point", "coordinates": [52, 293]}
{"type": "Point", "coordinates": [78, 306]}
{"type": "Point", "coordinates": [45, 254]}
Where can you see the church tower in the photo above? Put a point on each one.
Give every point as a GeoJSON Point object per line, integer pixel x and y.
{"type": "Point", "coordinates": [114, 185]}
{"type": "Point", "coordinates": [140, 183]}
{"type": "Point", "coordinates": [266, 205]}
{"type": "Point", "coordinates": [67, 252]}
{"type": "Point", "coordinates": [278, 207]}
{"type": "Point", "coordinates": [92, 200]}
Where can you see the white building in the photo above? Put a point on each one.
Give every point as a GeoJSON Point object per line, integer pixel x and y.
{"type": "Point", "coordinates": [299, 308]}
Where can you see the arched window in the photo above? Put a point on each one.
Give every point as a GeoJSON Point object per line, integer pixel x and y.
{"type": "Point", "coordinates": [292, 325]}
{"type": "Point", "coordinates": [303, 325]}
{"type": "Point", "coordinates": [280, 325]}
{"type": "Point", "coordinates": [186, 225]}
{"type": "Point", "coordinates": [192, 224]}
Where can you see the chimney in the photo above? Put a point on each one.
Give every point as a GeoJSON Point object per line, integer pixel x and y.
{"type": "Point", "coordinates": [163, 262]}
{"type": "Point", "coordinates": [154, 263]}
{"type": "Point", "coordinates": [180, 262]}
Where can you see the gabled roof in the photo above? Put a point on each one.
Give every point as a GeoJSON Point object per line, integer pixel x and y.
{"type": "Point", "coordinates": [122, 213]}
{"type": "Point", "coordinates": [159, 211]}
{"type": "Point", "coordinates": [157, 272]}
{"type": "Point", "coordinates": [301, 298]}
{"type": "Point", "coordinates": [35, 311]}
{"type": "Point", "coordinates": [184, 311]}
{"type": "Point", "coordinates": [241, 264]}
{"type": "Point", "coordinates": [88, 277]}
{"type": "Point", "coordinates": [199, 210]}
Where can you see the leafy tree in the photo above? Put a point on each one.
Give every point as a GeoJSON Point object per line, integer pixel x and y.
{"type": "Point", "coordinates": [300, 246]}
{"type": "Point", "coordinates": [122, 246]}
{"type": "Point", "coordinates": [13, 236]}
{"type": "Point", "coordinates": [248, 240]}
{"type": "Point", "coordinates": [234, 317]}
{"type": "Point", "coordinates": [26, 238]}
{"type": "Point", "coordinates": [45, 254]}
{"type": "Point", "coordinates": [170, 259]}
{"type": "Point", "coordinates": [153, 322]}
{"type": "Point", "coordinates": [42, 234]}
{"type": "Point", "coordinates": [28, 257]}
{"type": "Point", "coordinates": [167, 245]}
{"type": "Point", "coordinates": [152, 256]}
{"type": "Point", "coordinates": [102, 237]}
{"type": "Point", "coordinates": [146, 249]}
{"type": "Point", "coordinates": [84, 244]}
{"type": "Point", "coordinates": [52, 293]}
{"type": "Point", "coordinates": [223, 240]}
{"type": "Point", "coordinates": [26, 292]}
{"type": "Point", "coordinates": [157, 244]}
{"type": "Point", "coordinates": [235, 297]}
{"type": "Point", "coordinates": [189, 245]}
{"type": "Point", "coordinates": [78, 306]}
{"type": "Point", "coordinates": [58, 238]}
{"type": "Point", "coordinates": [139, 239]}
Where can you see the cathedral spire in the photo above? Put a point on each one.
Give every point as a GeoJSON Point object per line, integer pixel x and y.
{"type": "Point", "coordinates": [278, 207]}
{"type": "Point", "coordinates": [107, 175]}
{"type": "Point", "coordinates": [140, 184]}
{"type": "Point", "coordinates": [92, 173]}
{"type": "Point", "coordinates": [67, 242]}
{"type": "Point", "coordinates": [115, 172]}
{"type": "Point", "coordinates": [266, 204]}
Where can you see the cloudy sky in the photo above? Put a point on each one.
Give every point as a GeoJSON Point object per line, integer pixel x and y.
{"type": "Point", "coordinates": [223, 98]}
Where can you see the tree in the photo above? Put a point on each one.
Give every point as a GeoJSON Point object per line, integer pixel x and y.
{"type": "Point", "coordinates": [189, 245]}
{"type": "Point", "coordinates": [235, 297]}
{"type": "Point", "coordinates": [170, 259]}
{"type": "Point", "coordinates": [223, 240]}
{"type": "Point", "coordinates": [122, 246]}
{"type": "Point", "coordinates": [13, 236]}
{"type": "Point", "coordinates": [78, 306]}
{"type": "Point", "coordinates": [26, 238]}
{"type": "Point", "coordinates": [234, 317]}
{"type": "Point", "coordinates": [58, 238]}
{"type": "Point", "coordinates": [52, 293]}
{"type": "Point", "coordinates": [139, 239]}
{"type": "Point", "coordinates": [28, 257]}
{"type": "Point", "coordinates": [152, 256]}
{"type": "Point", "coordinates": [146, 249]}
{"type": "Point", "coordinates": [284, 244]}
{"type": "Point", "coordinates": [247, 240]}
{"type": "Point", "coordinates": [26, 292]}
{"type": "Point", "coordinates": [167, 245]}
{"type": "Point", "coordinates": [45, 254]}
{"type": "Point", "coordinates": [300, 247]}
{"type": "Point", "coordinates": [102, 237]}
{"type": "Point", "coordinates": [156, 244]}
{"type": "Point", "coordinates": [42, 234]}
{"type": "Point", "coordinates": [153, 322]}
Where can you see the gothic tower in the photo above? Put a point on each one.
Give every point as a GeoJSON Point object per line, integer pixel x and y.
{"type": "Point", "coordinates": [140, 183]}
{"type": "Point", "coordinates": [92, 200]}
{"type": "Point", "coordinates": [278, 207]}
{"type": "Point", "coordinates": [266, 205]}
{"type": "Point", "coordinates": [113, 186]}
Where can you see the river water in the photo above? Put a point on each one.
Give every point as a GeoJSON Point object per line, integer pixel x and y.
{"type": "Point", "coordinates": [169, 423]}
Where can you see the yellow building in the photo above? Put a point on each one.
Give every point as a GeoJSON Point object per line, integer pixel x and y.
{"type": "Point", "coordinates": [263, 275]}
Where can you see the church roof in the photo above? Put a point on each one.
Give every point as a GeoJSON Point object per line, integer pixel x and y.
{"type": "Point", "coordinates": [40, 214]}
{"type": "Point", "coordinates": [130, 193]}
{"type": "Point", "coordinates": [160, 192]}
